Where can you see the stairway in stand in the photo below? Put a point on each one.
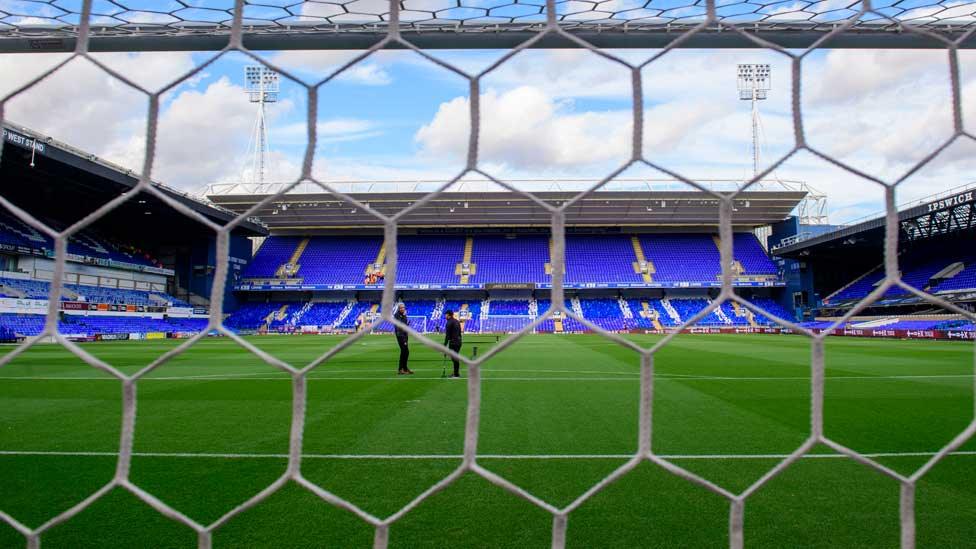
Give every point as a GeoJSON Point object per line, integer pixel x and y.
{"type": "Point", "coordinates": [466, 260]}
{"type": "Point", "coordinates": [641, 259]}
{"type": "Point", "coordinates": [291, 268]}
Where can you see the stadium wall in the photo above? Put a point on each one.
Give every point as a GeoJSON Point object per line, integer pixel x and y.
{"type": "Point", "coordinates": [43, 269]}
{"type": "Point", "coordinates": [195, 266]}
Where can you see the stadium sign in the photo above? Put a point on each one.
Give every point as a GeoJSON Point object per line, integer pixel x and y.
{"type": "Point", "coordinates": [510, 286]}
{"type": "Point", "coordinates": [961, 198]}
{"type": "Point", "coordinates": [23, 141]}
{"type": "Point", "coordinates": [18, 305]}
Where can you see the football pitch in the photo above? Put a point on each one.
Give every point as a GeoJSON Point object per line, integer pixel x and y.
{"type": "Point", "coordinates": [558, 413]}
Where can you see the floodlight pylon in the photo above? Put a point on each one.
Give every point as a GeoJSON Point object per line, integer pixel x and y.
{"type": "Point", "coordinates": [754, 82]}
{"type": "Point", "coordinates": [262, 86]}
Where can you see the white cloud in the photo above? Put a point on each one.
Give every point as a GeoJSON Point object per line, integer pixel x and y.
{"type": "Point", "coordinates": [79, 104]}
{"type": "Point", "coordinates": [847, 76]}
{"type": "Point", "coordinates": [203, 135]}
{"type": "Point", "coordinates": [524, 127]}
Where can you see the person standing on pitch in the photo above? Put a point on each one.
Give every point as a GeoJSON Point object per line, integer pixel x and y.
{"type": "Point", "coordinates": [452, 338]}
{"type": "Point", "coordinates": [401, 337]}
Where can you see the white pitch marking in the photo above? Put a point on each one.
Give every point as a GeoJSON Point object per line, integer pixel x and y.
{"type": "Point", "coordinates": [660, 377]}
{"type": "Point", "coordinates": [461, 456]}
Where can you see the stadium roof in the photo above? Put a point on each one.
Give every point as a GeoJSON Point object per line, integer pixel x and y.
{"type": "Point", "coordinates": [948, 212]}
{"type": "Point", "coordinates": [56, 180]}
{"type": "Point", "coordinates": [310, 212]}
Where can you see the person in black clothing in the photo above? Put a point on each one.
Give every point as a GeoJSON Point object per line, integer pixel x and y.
{"type": "Point", "coordinates": [452, 338]}
{"type": "Point", "coordinates": [401, 337]}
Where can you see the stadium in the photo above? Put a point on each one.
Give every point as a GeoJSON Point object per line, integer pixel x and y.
{"type": "Point", "coordinates": [646, 361]}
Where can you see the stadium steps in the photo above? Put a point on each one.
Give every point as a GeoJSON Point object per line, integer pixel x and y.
{"type": "Point", "coordinates": [370, 317]}
{"type": "Point", "coordinates": [380, 260]}
{"type": "Point", "coordinates": [466, 260]}
{"type": "Point", "coordinates": [344, 313]}
{"type": "Point", "coordinates": [672, 312]}
{"type": "Point", "coordinates": [438, 311]}
{"type": "Point", "coordinates": [25, 231]}
{"type": "Point", "coordinates": [945, 274]}
{"type": "Point", "coordinates": [12, 292]}
{"type": "Point", "coordinates": [292, 266]}
{"type": "Point", "coordinates": [853, 282]}
{"type": "Point", "coordinates": [577, 307]}
{"type": "Point", "coordinates": [647, 312]}
{"type": "Point", "coordinates": [296, 317]}
{"type": "Point", "coordinates": [742, 312]}
{"type": "Point", "coordinates": [275, 315]}
{"type": "Point", "coordinates": [625, 308]}
{"type": "Point", "coordinates": [641, 260]}
{"type": "Point", "coordinates": [718, 312]}
{"type": "Point", "coordinates": [548, 265]}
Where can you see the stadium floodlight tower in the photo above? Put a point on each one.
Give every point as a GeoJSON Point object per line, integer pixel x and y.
{"type": "Point", "coordinates": [754, 82]}
{"type": "Point", "coordinates": [261, 85]}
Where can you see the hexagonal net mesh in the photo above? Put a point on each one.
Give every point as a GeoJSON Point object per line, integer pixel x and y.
{"type": "Point", "coordinates": [556, 20]}
{"type": "Point", "coordinates": [30, 25]}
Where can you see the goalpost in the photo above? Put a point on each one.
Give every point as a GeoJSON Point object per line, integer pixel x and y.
{"type": "Point", "coordinates": [589, 26]}
{"type": "Point", "coordinates": [504, 324]}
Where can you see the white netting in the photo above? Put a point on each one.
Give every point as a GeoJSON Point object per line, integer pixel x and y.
{"type": "Point", "coordinates": [552, 26]}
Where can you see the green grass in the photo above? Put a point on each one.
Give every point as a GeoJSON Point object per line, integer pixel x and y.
{"type": "Point", "coordinates": [546, 395]}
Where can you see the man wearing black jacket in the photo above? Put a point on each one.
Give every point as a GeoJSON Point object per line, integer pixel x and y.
{"type": "Point", "coordinates": [452, 338]}
{"type": "Point", "coordinates": [401, 337]}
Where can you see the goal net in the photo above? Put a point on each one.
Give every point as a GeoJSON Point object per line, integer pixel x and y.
{"type": "Point", "coordinates": [78, 28]}
{"type": "Point", "coordinates": [503, 324]}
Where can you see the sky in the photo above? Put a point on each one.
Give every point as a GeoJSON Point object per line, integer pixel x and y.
{"type": "Point", "coordinates": [556, 115]}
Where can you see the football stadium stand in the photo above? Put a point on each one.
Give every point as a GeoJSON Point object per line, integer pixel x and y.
{"type": "Point", "coordinates": [514, 260]}
{"type": "Point", "coordinates": [501, 315]}
{"type": "Point", "coordinates": [90, 326]}
{"type": "Point", "coordinates": [39, 289]}
{"type": "Point", "coordinates": [628, 266]}
{"type": "Point", "coordinates": [86, 244]}
{"type": "Point", "coordinates": [672, 259]}
{"type": "Point", "coordinates": [829, 272]}
{"type": "Point", "coordinates": [682, 257]}
{"type": "Point", "coordinates": [600, 259]}
{"type": "Point", "coordinates": [948, 273]}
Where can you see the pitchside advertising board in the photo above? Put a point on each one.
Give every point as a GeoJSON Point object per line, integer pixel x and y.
{"type": "Point", "coordinates": [849, 332]}
{"type": "Point", "coordinates": [544, 286]}
{"type": "Point", "coordinates": [15, 305]}
{"type": "Point", "coordinates": [85, 306]}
